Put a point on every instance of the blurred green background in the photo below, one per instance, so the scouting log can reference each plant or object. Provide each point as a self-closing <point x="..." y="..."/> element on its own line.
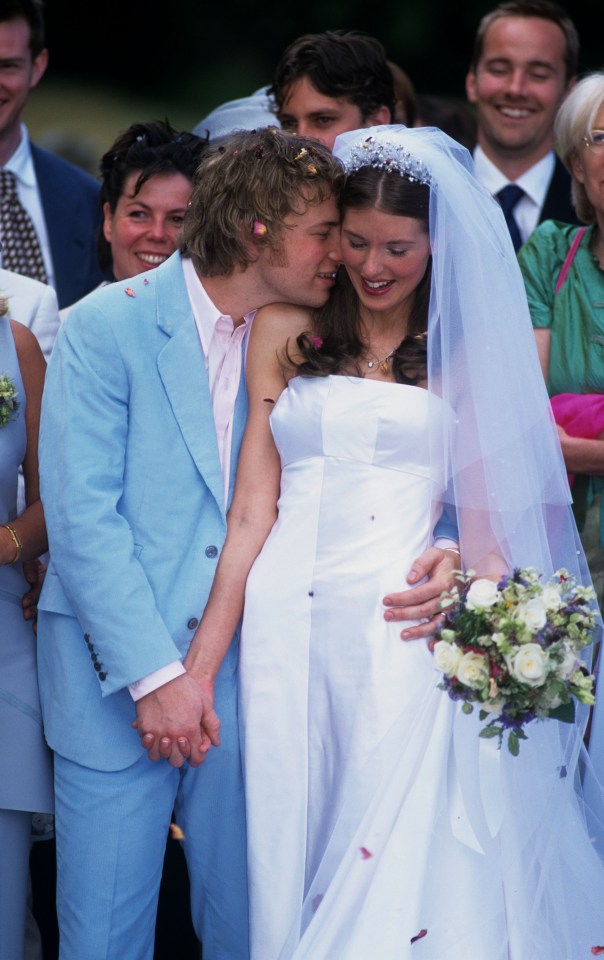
<point x="117" y="62"/>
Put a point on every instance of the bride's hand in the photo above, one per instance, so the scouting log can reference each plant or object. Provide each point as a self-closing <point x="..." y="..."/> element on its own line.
<point x="423" y="602"/>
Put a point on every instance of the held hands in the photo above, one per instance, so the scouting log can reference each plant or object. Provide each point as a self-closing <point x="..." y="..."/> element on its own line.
<point x="177" y="722"/>
<point x="423" y="602"/>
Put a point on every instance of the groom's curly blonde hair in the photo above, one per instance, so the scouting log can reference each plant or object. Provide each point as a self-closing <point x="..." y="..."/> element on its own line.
<point x="245" y="186"/>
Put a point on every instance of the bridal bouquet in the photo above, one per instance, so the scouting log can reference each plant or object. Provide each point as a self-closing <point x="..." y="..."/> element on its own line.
<point x="513" y="648"/>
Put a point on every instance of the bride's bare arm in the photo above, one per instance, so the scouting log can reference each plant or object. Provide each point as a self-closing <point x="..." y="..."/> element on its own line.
<point x="254" y="507"/>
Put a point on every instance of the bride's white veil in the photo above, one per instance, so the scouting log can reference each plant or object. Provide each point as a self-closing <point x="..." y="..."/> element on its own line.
<point x="507" y="481"/>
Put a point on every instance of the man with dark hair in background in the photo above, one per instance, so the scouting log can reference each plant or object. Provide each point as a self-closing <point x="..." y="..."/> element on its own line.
<point x="327" y="83"/>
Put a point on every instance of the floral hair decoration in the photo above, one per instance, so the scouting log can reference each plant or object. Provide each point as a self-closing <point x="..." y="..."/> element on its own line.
<point x="387" y="155"/>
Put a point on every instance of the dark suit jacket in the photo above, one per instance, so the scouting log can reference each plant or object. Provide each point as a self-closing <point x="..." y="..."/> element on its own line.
<point x="557" y="205"/>
<point x="70" y="201"/>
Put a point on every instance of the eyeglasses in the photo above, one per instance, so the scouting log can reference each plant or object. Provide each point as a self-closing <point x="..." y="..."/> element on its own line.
<point x="595" y="141"/>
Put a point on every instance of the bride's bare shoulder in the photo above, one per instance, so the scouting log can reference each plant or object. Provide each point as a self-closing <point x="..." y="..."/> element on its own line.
<point x="282" y="321"/>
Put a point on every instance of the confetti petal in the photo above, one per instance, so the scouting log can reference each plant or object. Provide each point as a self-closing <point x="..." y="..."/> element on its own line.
<point x="176" y="832"/>
<point x="597" y="951"/>
<point x="365" y="853"/>
<point x="129" y="292"/>
<point x="420" y="936"/>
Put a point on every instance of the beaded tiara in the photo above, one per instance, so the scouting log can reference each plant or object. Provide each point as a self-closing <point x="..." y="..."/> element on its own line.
<point x="386" y="155"/>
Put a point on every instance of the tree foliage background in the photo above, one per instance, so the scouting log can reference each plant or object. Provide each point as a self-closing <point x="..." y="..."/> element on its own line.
<point x="181" y="59"/>
<point x="209" y="51"/>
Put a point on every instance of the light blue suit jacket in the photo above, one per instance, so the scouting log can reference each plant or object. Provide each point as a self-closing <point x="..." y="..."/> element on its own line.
<point x="133" y="495"/>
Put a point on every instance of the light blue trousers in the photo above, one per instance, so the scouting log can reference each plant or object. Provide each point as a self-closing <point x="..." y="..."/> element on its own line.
<point x="111" y="830"/>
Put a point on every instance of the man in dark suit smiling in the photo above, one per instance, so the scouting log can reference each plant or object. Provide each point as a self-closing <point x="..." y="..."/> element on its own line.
<point x="523" y="65"/>
<point x="49" y="209"/>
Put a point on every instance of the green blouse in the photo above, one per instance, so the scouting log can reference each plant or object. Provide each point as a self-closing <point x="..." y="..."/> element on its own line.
<point x="575" y="315"/>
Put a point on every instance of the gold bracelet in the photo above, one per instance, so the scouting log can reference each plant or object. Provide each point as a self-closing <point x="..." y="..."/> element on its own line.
<point x="16" y="540"/>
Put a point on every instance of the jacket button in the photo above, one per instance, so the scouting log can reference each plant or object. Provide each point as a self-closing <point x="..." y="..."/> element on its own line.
<point x="211" y="552"/>
<point x="192" y="623"/>
<point x="97" y="665"/>
<point x="102" y="676"/>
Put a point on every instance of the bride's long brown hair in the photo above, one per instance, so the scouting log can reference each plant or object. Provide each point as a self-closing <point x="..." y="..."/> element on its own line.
<point x="338" y="323"/>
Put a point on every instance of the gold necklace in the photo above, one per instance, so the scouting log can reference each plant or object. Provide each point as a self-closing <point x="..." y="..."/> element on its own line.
<point x="382" y="364"/>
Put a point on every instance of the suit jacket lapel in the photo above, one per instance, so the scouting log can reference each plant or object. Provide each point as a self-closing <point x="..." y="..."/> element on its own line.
<point x="182" y="370"/>
<point x="239" y="421"/>
<point x="558" y="204"/>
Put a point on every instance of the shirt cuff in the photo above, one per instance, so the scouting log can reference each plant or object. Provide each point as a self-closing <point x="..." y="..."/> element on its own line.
<point x="152" y="681"/>
<point x="443" y="543"/>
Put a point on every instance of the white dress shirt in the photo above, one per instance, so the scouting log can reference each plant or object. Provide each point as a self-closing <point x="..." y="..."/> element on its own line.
<point x="221" y="341"/>
<point x="535" y="183"/>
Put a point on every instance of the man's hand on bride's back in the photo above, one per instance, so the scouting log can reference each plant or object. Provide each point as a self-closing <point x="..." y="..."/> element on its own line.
<point x="430" y="575"/>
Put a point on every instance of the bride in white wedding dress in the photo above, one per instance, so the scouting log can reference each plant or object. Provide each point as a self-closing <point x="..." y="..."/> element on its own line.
<point x="379" y="824"/>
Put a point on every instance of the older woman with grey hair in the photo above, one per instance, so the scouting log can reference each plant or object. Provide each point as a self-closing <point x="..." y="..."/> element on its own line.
<point x="563" y="268"/>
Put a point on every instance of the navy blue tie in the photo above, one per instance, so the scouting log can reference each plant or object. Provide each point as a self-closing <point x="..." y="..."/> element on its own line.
<point x="508" y="198"/>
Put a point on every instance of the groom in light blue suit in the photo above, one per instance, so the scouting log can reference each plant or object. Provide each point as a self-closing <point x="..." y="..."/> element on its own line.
<point x="144" y="409"/>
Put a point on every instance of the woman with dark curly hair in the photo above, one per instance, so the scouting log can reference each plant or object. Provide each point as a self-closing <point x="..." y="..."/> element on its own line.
<point x="146" y="181"/>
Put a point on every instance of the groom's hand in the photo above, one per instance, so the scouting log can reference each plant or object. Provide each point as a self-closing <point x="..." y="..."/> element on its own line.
<point x="169" y="722"/>
<point x="423" y="602"/>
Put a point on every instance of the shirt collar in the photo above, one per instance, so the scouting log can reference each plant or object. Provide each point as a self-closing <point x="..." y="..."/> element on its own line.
<point x="205" y="311"/>
<point x="21" y="163"/>
<point x="534" y="182"/>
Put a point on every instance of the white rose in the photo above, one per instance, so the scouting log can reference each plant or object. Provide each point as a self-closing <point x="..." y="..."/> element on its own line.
<point x="569" y="664"/>
<point x="532" y="614"/>
<point x="482" y="594"/>
<point x="447" y="657"/>
<point x="551" y="597"/>
<point x="473" y="670"/>
<point x="529" y="665"/>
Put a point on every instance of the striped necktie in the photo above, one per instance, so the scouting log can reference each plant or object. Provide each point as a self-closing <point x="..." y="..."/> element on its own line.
<point x="20" y="245"/>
